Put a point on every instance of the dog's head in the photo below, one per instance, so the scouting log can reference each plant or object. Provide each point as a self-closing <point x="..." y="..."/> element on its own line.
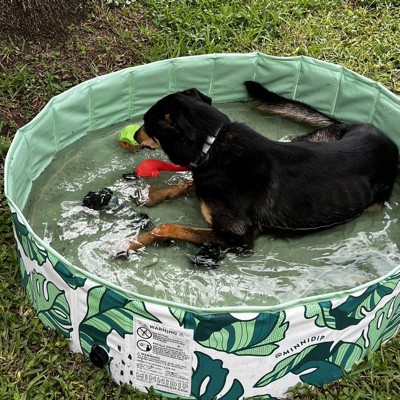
<point x="178" y="125"/>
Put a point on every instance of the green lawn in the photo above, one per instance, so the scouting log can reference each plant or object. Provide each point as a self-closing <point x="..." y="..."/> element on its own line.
<point x="363" y="35"/>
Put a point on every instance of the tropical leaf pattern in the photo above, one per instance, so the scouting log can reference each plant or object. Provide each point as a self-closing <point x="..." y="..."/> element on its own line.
<point x="107" y="311"/>
<point x="354" y="309"/>
<point x="49" y="301"/>
<point x="215" y="374"/>
<point x="330" y="364"/>
<point x="385" y="324"/>
<point x="22" y="271"/>
<point x="73" y="280"/>
<point x="347" y="354"/>
<point x="38" y="254"/>
<point x="258" y="336"/>
<point x="31" y="249"/>
<point x="323" y="361"/>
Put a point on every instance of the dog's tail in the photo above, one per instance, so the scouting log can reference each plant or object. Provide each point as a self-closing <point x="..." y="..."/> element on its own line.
<point x="272" y="103"/>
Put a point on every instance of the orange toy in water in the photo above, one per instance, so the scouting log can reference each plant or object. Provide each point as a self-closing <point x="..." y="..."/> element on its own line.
<point x="152" y="167"/>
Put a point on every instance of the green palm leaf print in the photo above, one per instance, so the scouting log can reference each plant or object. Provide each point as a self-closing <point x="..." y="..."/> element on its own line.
<point x="258" y="336"/>
<point x="108" y="311"/>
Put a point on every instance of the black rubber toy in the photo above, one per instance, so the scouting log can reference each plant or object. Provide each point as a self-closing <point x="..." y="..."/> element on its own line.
<point x="98" y="200"/>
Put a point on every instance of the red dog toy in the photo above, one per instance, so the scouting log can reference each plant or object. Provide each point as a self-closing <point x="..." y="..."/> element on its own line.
<point x="152" y="167"/>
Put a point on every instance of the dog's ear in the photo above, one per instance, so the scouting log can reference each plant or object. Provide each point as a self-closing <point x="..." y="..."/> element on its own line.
<point x="197" y="94"/>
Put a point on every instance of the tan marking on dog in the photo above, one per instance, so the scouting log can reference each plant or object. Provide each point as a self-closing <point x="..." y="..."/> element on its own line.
<point x="206" y="212"/>
<point x="376" y="207"/>
<point x="158" y="195"/>
<point x="145" y="140"/>
<point x="168" y="120"/>
<point x="164" y="232"/>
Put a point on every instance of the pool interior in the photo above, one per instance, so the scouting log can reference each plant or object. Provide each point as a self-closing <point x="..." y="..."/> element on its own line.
<point x="280" y="270"/>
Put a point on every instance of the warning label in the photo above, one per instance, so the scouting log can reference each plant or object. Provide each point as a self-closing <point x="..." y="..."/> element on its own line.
<point x="163" y="357"/>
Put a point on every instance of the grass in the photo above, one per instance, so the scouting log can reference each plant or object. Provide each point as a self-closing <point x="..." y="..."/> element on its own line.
<point x="360" y="34"/>
<point x="357" y="34"/>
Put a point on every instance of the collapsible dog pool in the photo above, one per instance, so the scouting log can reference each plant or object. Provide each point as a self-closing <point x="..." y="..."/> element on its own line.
<point x="303" y="309"/>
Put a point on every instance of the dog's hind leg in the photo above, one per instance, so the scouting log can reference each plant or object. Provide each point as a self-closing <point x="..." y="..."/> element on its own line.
<point x="164" y="232"/>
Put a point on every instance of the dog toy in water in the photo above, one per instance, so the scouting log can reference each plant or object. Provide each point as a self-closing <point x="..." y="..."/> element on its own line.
<point x="127" y="137"/>
<point x="152" y="167"/>
<point x="97" y="200"/>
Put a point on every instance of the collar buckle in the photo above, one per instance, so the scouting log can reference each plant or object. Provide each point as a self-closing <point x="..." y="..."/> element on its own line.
<point x="210" y="139"/>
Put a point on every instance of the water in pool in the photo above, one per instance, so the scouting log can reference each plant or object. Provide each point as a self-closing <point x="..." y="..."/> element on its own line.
<point x="280" y="270"/>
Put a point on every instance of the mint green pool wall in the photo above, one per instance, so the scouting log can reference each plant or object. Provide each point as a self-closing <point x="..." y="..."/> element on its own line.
<point x="226" y="352"/>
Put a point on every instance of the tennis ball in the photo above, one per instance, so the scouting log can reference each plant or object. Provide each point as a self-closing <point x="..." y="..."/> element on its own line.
<point x="126" y="136"/>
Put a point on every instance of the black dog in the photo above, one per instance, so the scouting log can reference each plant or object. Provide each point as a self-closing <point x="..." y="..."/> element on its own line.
<point x="248" y="185"/>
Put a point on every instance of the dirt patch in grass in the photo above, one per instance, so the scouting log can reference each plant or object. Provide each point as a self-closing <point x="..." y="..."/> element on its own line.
<point x="31" y="72"/>
<point x="40" y="18"/>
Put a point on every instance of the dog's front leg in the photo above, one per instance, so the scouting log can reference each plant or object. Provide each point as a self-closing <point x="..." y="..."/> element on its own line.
<point x="159" y="195"/>
<point x="162" y="233"/>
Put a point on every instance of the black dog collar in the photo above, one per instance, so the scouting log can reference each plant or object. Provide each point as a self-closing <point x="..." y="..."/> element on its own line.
<point x="210" y="139"/>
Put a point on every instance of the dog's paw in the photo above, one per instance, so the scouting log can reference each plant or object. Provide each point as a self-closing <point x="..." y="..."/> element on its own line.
<point x="208" y="256"/>
<point x="142" y="222"/>
<point x="140" y="197"/>
<point x="120" y="251"/>
<point x="121" y="255"/>
<point x="242" y="251"/>
<point x="123" y="249"/>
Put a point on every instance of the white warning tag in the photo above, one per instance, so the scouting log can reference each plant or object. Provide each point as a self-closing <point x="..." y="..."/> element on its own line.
<point x="163" y="357"/>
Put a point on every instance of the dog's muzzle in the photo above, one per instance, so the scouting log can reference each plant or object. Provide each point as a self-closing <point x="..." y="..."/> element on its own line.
<point x="136" y="135"/>
<point x="144" y="140"/>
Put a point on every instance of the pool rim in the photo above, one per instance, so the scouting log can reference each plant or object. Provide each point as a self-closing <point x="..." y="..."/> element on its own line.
<point x="329" y="296"/>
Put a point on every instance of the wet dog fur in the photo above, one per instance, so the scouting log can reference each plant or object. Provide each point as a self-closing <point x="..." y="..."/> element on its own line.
<point x="249" y="185"/>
